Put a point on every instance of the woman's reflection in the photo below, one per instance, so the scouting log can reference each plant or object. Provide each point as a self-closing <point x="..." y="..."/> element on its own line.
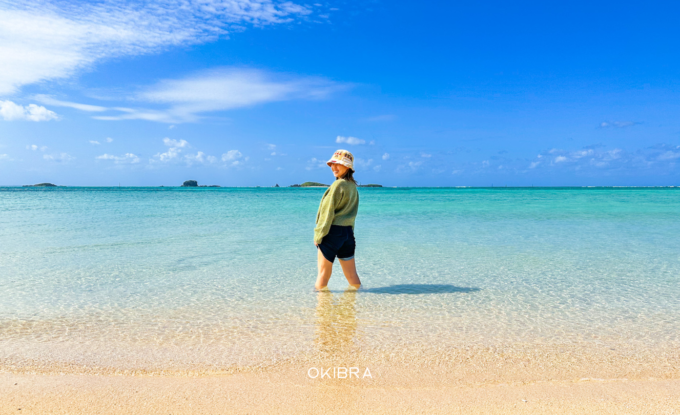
<point x="336" y="322"/>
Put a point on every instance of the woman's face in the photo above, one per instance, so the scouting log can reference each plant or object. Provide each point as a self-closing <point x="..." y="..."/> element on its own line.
<point x="338" y="170"/>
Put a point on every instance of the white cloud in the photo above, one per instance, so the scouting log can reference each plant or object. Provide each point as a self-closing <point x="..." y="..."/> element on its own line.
<point x="273" y="153"/>
<point x="231" y="155"/>
<point x="669" y="155"/>
<point x="46" y="99"/>
<point x="94" y="142"/>
<point x="534" y="164"/>
<point x="219" y="90"/>
<point x="377" y="168"/>
<point x="349" y="140"/>
<point x="4" y="157"/>
<point x="173" y="143"/>
<point x="385" y="156"/>
<point x="199" y="157"/>
<point x="9" y="111"/>
<point x="560" y="159"/>
<point x="582" y="153"/>
<point x="42" y="41"/>
<point x="315" y="163"/>
<point x="35" y="147"/>
<point x="362" y="164"/>
<point x="173" y="152"/>
<point x="61" y="157"/>
<point x="128" y="158"/>
<point x="271" y="146"/>
<point x="109" y="140"/>
<point x="425" y="155"/>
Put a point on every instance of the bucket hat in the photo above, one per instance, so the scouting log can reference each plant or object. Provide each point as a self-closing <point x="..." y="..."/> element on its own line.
<point x="343" y="157"/>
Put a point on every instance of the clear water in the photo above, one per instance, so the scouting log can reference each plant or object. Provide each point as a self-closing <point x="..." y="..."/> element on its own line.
<point x="176" y="277"/>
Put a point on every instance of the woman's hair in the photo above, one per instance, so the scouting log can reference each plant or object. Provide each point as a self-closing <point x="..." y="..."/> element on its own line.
<point x="349" y="176"/>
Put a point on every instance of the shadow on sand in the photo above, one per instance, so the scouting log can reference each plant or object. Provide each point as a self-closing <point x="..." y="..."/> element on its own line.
<point x="420" y="289"/>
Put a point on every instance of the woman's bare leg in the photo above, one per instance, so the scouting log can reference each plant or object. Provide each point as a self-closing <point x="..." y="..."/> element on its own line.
<point x="350" y="270"/>
<point x="325" y="270"/>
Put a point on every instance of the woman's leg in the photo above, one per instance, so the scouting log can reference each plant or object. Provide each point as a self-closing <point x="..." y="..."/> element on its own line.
<point x="350" y="270"/>
<point x="325" y="270"/>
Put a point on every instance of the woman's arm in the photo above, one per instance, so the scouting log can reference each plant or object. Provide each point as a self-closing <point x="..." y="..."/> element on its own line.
<point x="324" y="218"/>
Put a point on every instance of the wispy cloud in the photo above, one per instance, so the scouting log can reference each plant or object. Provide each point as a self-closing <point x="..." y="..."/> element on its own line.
<point x="60" y="158"/>
<point x="596" y="157"/>
<point x="349" y="140"/>
<point x="233" y="157"/>
<point x="42" y="41"/>
<point x="670" y="155"/>
<point x="315" y="163"/>
<point x="9" y="111"/>
<point x="362" y="164"/>
<point x="617" y="124"/>
<point x="35" y="147"/>
<point x="128" y="158"/>
<point x="176" y="154"/>
<point x="48" y="100"/>
<point x="96" y="143"/>
<point x="385" y="156"/>
<point x="379" y="118"/>
<point x="219" y="90"/>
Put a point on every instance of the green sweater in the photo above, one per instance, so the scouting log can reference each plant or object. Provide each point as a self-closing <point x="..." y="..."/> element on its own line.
<point x="339" y="206"/>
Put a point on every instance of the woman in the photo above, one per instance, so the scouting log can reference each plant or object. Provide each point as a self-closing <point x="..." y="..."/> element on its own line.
<point x="334" y="232"/>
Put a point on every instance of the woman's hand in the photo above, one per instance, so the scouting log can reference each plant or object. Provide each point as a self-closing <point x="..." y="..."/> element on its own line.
<point x="315" y="244"/>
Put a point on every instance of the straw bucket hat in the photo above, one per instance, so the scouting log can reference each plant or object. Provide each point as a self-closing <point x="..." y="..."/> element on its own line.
<point x="343" y="157"/>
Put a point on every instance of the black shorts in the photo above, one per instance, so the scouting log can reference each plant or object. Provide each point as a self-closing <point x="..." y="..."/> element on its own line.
<point x="339" y="242"/>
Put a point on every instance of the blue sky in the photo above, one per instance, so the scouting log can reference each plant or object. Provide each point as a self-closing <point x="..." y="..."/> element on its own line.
<point x="254" y="92"/>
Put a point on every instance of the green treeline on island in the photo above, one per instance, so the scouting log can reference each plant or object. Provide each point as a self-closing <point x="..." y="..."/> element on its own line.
<point x="40" y="185"/>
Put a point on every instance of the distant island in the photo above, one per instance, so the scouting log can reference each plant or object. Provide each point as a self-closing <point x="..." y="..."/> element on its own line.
<point x="194" y="183"/>
<point x="40" y="185"/>
<point x="315" y="184"/>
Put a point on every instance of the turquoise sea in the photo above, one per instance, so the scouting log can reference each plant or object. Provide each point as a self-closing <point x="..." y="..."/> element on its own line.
<point x="159" y="278"/>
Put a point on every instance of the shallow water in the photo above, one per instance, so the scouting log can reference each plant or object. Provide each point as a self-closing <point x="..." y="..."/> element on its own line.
<point x="176" y="277"/>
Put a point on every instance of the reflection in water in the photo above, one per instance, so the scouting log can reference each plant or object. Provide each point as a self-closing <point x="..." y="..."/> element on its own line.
<point x="336" y="321"/>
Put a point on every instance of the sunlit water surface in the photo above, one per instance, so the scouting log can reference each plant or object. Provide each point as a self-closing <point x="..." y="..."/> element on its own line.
<point x="177" y="277"/>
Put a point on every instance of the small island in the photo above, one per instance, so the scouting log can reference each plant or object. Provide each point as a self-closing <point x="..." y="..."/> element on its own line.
<point x="313" y="184"/>
<point x="370" y="185"/>
<point x="194" y="183"/>
<point x="40" y="185"/>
